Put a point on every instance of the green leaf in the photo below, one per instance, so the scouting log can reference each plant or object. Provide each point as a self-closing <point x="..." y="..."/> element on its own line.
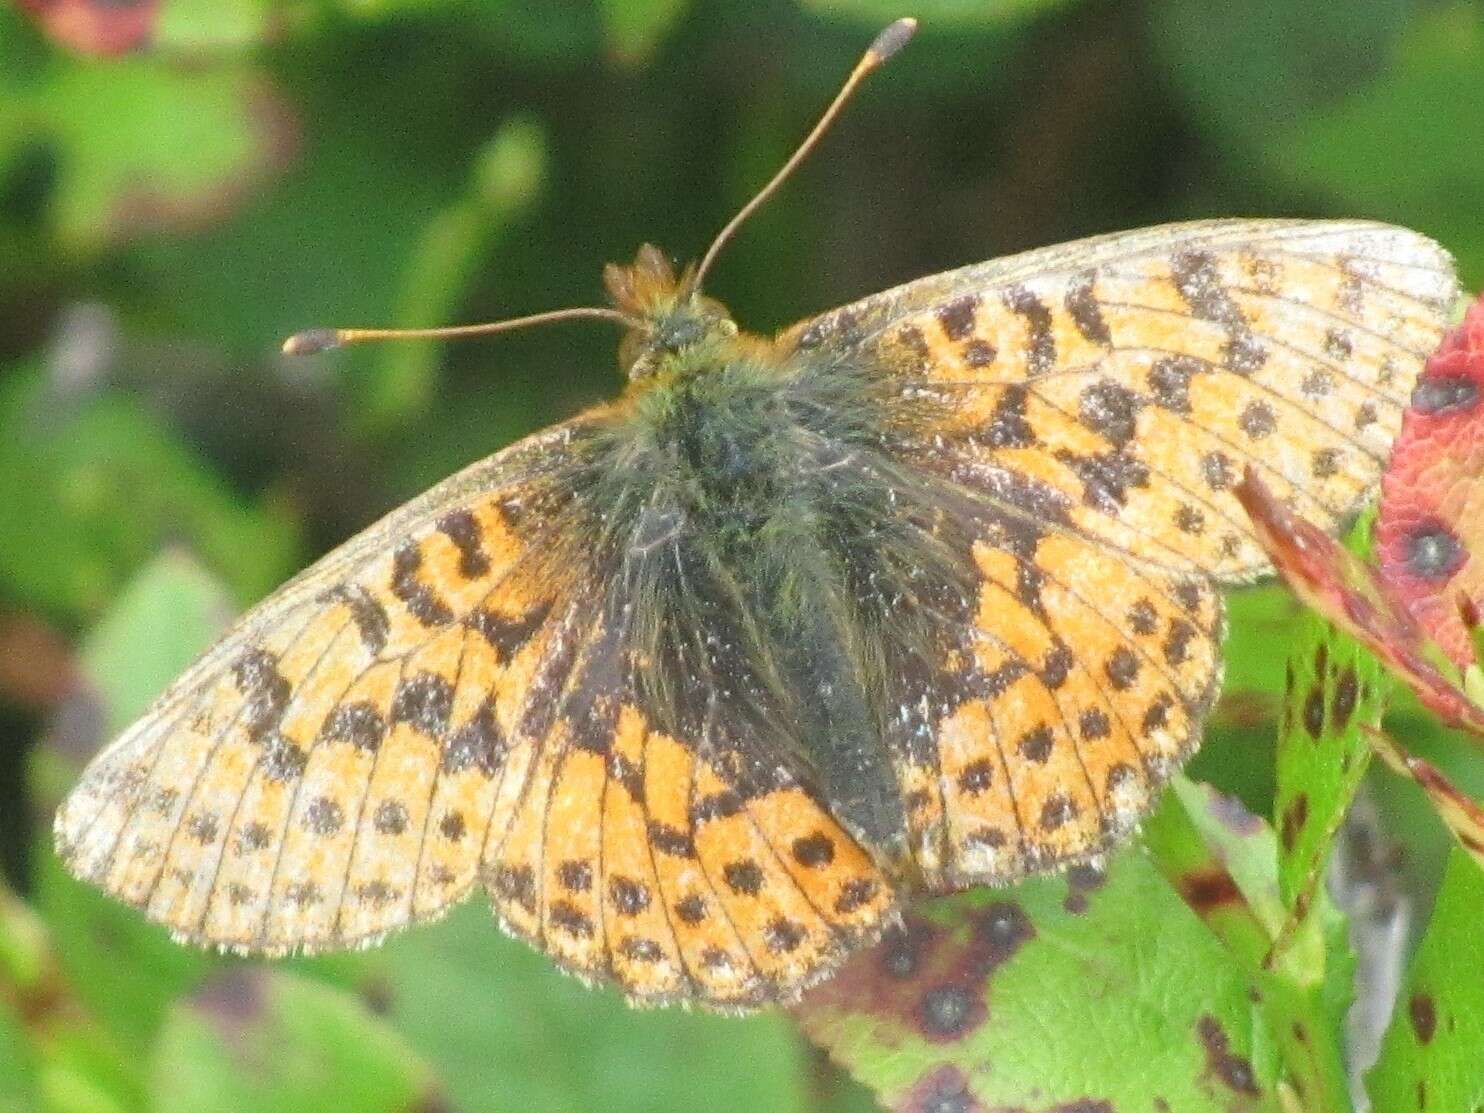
<point x="53" y="1055"/>
<point x="634" y="28"/>
<point x="509" y="1033"/>
<point x="1430" y="1059"/>
<point x="1419" y="116"/>
<point x="251" y="1039"/>
<point x="1262" y="626"/>
<point x="124" y="969"/>
<point x="177" y="147"/>
<point x="17" y="1063"/>
<point x="1334" y="688"/>
<point x="101" y="485"/>
<point x="211" y="25"/>
<point x="1083" y="992"/>
<point x="1332" y="100"/>
<point x="1223" y="861"/>
<point x="1193" y="856"/>
<point x="156" y="626"/>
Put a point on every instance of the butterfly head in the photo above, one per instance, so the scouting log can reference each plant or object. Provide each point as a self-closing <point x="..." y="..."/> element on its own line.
<point x="672" y="316"/>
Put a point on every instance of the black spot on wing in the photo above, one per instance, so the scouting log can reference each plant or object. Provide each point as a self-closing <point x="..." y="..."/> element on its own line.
<point x="1008" y="427"/>
<point x="358" y="724"/>
<point x="478" y="744"/>
<point x="265" y="689"/>
<point x="1040" y="344"/>
<point x="368" y="615"/>
<point x="424" y="700"/>
<point x="421" y="601"/>
<point x="460" y="527"/>
<point x="1086" y="314"/>
<point x="506" y="634"/>
<point x="957" y="317"/>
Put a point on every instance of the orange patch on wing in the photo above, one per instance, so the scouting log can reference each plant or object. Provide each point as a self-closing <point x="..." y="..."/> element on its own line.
<point x="709" y="947"/>
<point x="831" y="870"/>
<point x="514" y="873"/>
<point x="983" y="828"/>
<point x="642" y="950"/>
<point x="572" y="917"/>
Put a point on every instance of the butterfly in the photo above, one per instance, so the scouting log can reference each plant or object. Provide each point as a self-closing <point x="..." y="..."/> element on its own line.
<point x="701" y="684"/>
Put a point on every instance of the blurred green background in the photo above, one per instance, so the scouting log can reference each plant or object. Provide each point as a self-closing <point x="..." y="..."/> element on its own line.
<point x="184" y="182"/>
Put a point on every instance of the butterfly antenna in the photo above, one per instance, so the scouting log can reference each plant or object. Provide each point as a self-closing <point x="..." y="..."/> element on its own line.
<point x="881" y="50"/>
<point x="315" y="340"/>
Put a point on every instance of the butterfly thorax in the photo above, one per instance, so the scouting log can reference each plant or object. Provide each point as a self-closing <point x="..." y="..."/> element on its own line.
<point x="779" y="565"/>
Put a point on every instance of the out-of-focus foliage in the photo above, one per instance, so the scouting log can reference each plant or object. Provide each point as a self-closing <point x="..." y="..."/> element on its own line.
<point x="183" y="182"/>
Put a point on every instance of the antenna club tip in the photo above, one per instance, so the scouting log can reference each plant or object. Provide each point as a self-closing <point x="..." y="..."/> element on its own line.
<point x="891" y="40"/>
<point x="312" y="341"/>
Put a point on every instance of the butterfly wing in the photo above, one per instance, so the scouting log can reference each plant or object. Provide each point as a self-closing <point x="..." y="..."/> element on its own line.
<point x="1104" y="396"/>
<point x="330" y="769"/>
<point x="636" y="855"/>
<point x="1139" y="373"/>
<point x="448" y="698"/>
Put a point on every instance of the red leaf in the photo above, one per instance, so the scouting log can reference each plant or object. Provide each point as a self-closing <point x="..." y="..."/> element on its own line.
<point x="1353" y="596"/>
<point x="106" y="29"/>
<point x="1431" y="520"/>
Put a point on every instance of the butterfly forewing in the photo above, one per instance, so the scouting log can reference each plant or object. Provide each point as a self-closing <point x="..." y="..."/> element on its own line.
<point x="330" y="769"/>
<point x="1139" y="373"/>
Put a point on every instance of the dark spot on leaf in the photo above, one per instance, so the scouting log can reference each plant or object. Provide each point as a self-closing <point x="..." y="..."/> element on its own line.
<point x="1208" y="888"/>
<point x="942" y="1090"/>
<point x="1294" y="818"/>
<point x="1082" y="880"/>
<point x="1002" y="928"/>
<point x="1434" y="551"/>
<point x="1437" y="393"/>
<point x="1424" y="1015"/>
<point x="900" y="950"/>
<point x="948" y="1011"/>
<point x="1314" y="711"/>
<point x="1347" y="689"/>
<point x="1233" y="1071"/>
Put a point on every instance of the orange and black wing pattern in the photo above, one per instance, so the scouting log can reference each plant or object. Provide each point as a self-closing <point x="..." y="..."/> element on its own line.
<point x="450" y="699"/>
<point x="333" y="767"/>
<point x="1104" y="396"/>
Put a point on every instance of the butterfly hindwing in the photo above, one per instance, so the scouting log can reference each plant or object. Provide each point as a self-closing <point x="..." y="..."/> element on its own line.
<point x="633" y="857"/>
